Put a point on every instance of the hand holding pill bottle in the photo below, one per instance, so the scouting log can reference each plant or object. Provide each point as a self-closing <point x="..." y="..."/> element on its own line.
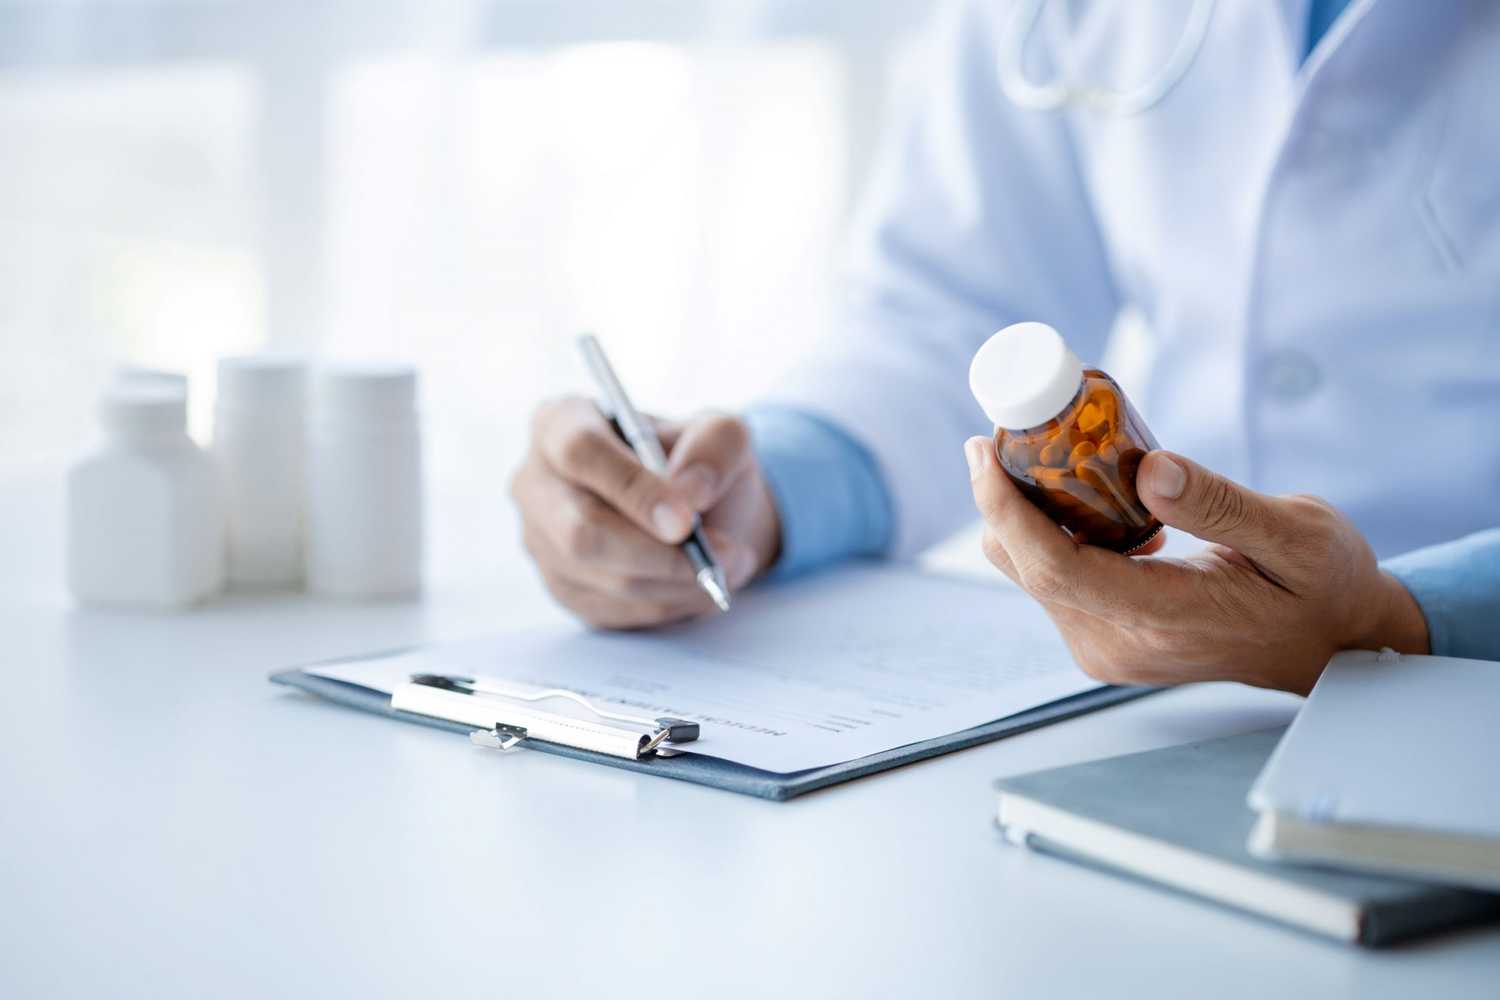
<point x="1066" y="435"/>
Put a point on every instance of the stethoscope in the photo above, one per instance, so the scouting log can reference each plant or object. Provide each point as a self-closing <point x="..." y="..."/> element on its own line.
<point x="1062" y="93"/>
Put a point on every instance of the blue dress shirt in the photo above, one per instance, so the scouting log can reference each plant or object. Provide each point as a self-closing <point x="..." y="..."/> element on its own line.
<point x="829" y="494"/>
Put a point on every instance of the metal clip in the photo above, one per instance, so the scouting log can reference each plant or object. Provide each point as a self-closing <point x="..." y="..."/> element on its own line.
<point x="655" y="741"/>
<point x="503" y="738"/>
<point x="676" y="730"/>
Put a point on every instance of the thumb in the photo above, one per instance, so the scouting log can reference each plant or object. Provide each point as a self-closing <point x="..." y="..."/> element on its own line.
<point x="706" y="457"/>
<point x="1185" y="495"/>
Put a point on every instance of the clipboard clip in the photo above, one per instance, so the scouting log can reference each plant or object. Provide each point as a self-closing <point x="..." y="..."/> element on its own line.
<point x="507" y="738"/>
<point x="491" y="698"/>
<point x="503" y="738"/>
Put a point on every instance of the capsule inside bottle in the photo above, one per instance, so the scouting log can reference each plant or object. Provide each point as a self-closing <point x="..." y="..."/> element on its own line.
<point x="1080" y="466"/>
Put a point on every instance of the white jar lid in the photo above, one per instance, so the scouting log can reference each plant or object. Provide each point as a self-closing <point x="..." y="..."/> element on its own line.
<point x="1024" y="376"/>
<point x="366" y="391"/>
<point x="142" y="408"/>
<point x="262" y="380"/>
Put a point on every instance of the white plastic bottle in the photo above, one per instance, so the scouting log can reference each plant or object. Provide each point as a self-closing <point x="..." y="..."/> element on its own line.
<point x="260" y="431"/>
<point x="364" y="478"/>
<point x="145" y="514"/>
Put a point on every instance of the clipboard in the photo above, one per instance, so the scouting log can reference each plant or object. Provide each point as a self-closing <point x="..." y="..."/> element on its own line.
<point x="712" y="771"/>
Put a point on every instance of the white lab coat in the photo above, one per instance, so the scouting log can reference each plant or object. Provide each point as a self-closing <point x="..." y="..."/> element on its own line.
<point x="1315" y="247"/>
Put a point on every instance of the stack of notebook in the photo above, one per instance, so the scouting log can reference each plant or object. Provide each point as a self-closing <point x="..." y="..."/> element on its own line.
<point x="1373" y="818"/>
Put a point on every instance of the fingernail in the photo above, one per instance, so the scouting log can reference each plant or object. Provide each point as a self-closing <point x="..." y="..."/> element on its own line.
<point x="1164" y="477"/>
<point x="695" y="484"/>
<point x="975" y="456"/>
<point x="670" y="523"/>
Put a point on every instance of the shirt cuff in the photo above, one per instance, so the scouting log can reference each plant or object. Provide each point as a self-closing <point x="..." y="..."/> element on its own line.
<point x="829" y="495"/>
<point x="1457" y="585"/>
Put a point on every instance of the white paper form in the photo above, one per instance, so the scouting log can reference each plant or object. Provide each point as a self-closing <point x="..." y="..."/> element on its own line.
<point x="800" y="674"/>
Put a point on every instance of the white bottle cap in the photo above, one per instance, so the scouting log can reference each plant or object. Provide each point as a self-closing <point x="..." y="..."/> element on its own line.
<point x="366" y="391"/>
<point x="144" y="409"/>
<point x="1024" y="376"/>
<point x="262" y="382"/>
<point x="138" y="376"/>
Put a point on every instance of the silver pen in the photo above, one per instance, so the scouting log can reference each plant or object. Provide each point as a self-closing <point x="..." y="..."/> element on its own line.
<point x="641" y="436"/>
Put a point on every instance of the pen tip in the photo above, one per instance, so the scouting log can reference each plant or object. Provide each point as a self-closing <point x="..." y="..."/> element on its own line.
<point x="715" y="588"/>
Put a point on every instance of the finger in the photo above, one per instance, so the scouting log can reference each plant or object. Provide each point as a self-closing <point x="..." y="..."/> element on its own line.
<point x="667" y="432"/>
<point x="607" y="610"/>
<point x="587" y="534"/>
<point x="1076" y="627"/>
<point x="994" y="551"/>
<point x="610" y="600"/>
<point x="706" y="459"/>
<point x="1187" y="496"/>
<point x="1067" y="619"/>
<point x="737" y="558"/>
<point x="579" y="444"/>
<point x="572" y="533"/>
<point x="1047" y="563"/>
<point x="584" y="530"/>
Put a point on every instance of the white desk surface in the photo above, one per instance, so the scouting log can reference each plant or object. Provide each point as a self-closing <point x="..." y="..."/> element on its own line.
<point x="173" y="825"/>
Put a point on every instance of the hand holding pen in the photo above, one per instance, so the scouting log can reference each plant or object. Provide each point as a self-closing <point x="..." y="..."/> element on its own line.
<point x="607" y="532"/>
<point x="640" y="434"/>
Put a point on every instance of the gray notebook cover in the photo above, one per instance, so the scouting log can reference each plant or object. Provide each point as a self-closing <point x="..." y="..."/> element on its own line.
<point x="737" y="777"/>
<point x="1193" y="796"/>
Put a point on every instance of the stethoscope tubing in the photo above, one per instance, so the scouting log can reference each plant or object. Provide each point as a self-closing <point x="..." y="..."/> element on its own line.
<point x="1060" y="93"/>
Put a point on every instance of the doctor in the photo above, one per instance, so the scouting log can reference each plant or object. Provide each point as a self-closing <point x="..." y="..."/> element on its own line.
<point x="1303" y="199"/>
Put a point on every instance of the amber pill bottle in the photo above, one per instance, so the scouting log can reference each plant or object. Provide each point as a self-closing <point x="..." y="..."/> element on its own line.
<point x="1066" y="435"/>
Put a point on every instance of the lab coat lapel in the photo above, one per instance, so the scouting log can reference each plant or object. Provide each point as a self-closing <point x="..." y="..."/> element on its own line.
<point x="1293" y="28"/>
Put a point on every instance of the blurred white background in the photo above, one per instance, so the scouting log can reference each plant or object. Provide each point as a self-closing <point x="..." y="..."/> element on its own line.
<point x="460" y="183"/>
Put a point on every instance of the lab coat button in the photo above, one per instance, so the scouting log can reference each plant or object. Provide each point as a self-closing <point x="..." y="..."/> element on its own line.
<point x="1291" y="375"/>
